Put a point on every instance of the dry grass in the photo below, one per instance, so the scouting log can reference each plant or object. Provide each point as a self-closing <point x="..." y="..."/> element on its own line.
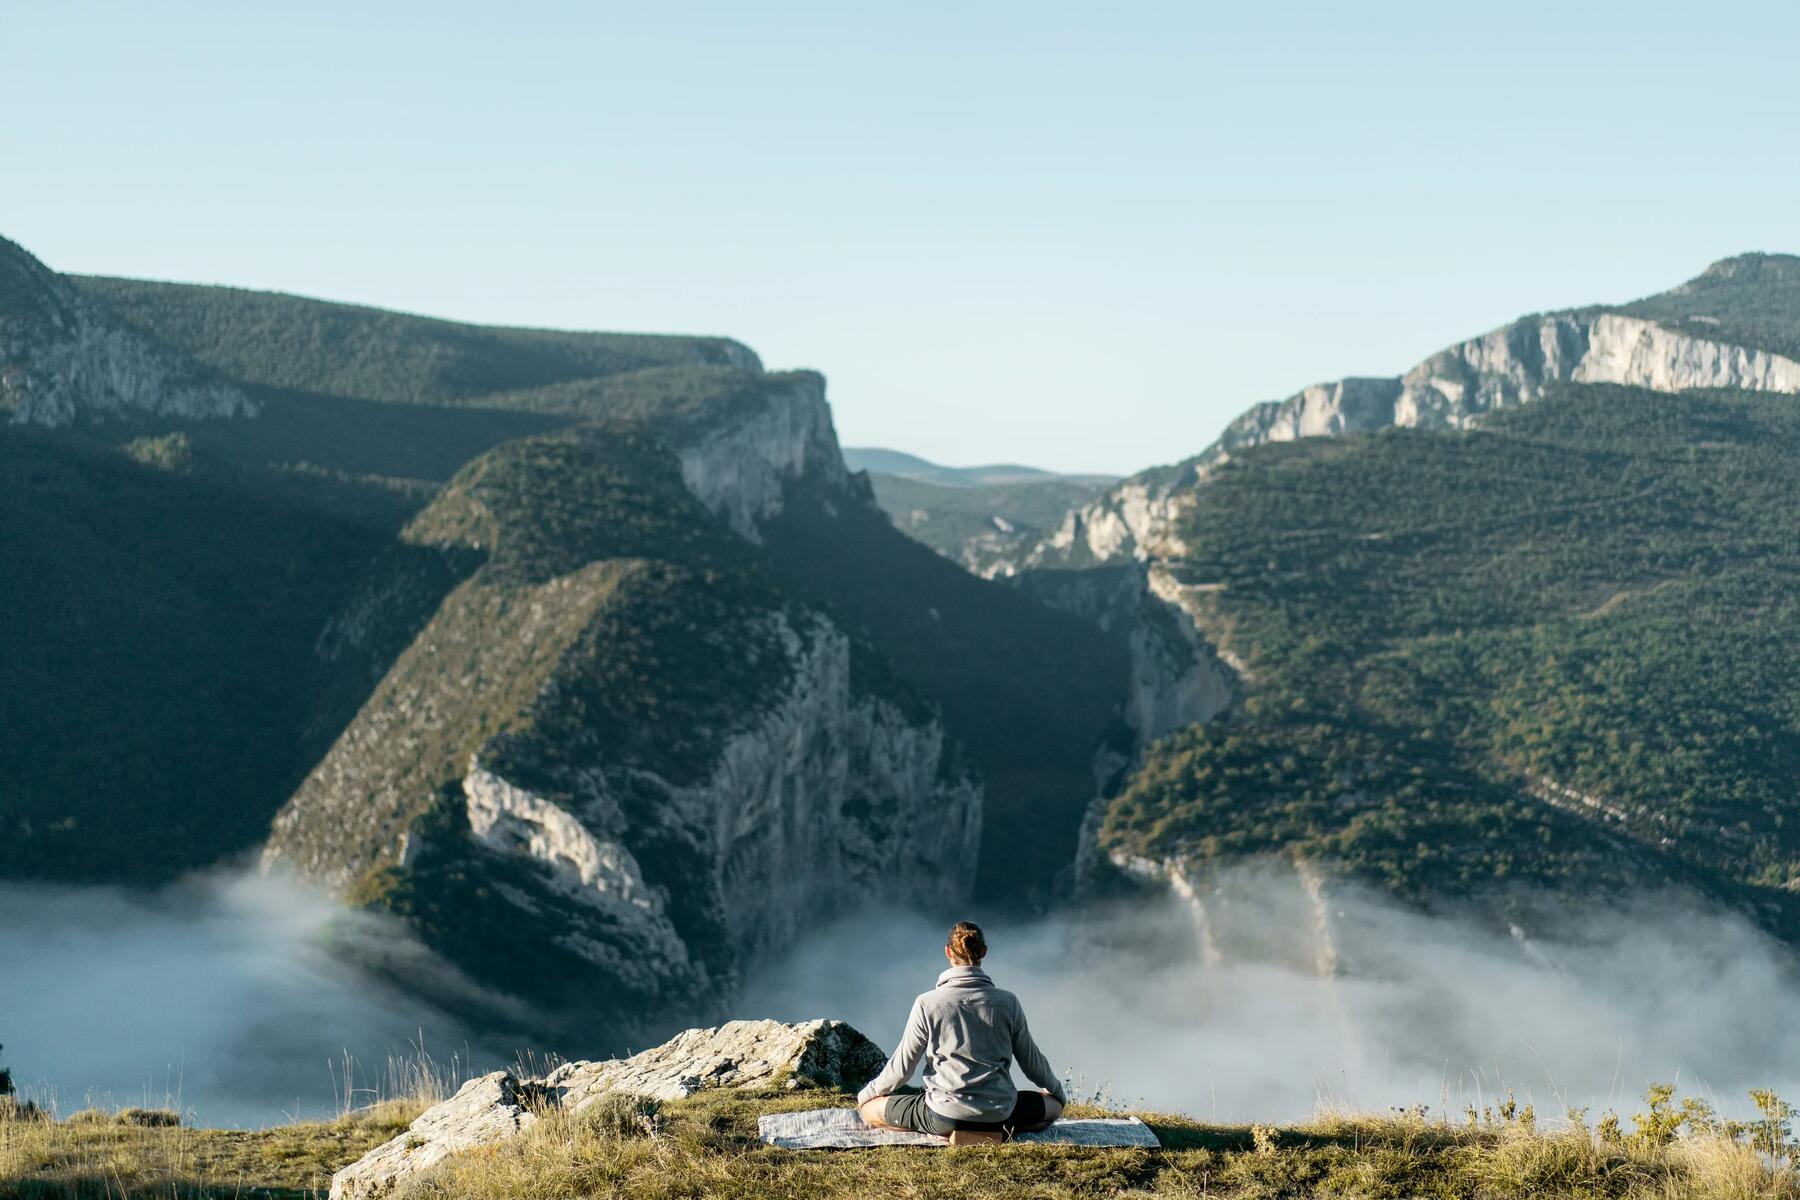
<point x="707" y="1146"/>
<point x="101" y="1155"/>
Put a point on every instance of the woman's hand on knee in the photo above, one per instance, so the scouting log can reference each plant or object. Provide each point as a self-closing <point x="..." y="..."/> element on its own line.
<point x="874" y="1113"/>
<point x="1053" y="1108"/>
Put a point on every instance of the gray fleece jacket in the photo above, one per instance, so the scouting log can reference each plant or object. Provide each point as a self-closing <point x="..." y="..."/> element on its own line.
<point x="968" y="1032"/>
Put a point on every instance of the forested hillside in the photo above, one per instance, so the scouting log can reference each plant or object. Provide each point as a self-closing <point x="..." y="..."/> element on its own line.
<point x="359" y="353"/>
<point x="1556" y="648"/>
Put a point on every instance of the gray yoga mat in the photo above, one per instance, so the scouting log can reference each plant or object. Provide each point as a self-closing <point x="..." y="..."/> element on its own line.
<point x="843" y="1129"/>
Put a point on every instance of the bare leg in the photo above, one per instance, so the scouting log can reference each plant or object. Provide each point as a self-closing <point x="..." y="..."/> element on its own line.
<point x="874" y="1113"/>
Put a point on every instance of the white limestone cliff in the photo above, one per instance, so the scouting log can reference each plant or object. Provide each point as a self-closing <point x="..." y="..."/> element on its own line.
<point x="1177" y="679"/>
<point x="1452" y="389"/>
<point x="740" y="466"/>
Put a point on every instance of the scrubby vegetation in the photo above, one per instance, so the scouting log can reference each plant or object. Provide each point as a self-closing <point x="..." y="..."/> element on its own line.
<point x="707" y="1146"/>
<point x="1750" y="300"/>
<point x="345" y="350"/>
<point x="1490" y="654"/>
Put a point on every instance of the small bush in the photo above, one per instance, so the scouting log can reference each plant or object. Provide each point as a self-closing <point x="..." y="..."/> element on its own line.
<point x="620" y="1115"/>
<point x="149" y="1118"/>
<point x="89" y="1116"/>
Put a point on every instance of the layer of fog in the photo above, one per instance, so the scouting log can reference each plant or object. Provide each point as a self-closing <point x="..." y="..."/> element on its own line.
<point x="232" y="1000"/>
<point x="229" y="998"/>
<point x="1235" y="1021"/>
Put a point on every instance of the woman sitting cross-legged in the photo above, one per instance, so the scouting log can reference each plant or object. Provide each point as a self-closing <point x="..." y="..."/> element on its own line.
<point x="968" y="1033"/>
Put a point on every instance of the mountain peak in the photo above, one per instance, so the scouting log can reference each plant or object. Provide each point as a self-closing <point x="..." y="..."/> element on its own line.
<point x="1753" y="268"/>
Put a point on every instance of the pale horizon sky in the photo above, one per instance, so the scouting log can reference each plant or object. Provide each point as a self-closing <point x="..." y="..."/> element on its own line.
<point x="1079" y="238"/>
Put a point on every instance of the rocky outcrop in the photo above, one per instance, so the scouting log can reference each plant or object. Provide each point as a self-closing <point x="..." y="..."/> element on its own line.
<point x="500" y="1106"/>
<point x="831" y="794"/>
<point x="740" y="466"/>
<point x="1452" y="389"/>
<point x="484" y="1112"/>
<point x="738" y="1054"/>
<point x="63" y="358"/>
<point x="1133" y="520"/>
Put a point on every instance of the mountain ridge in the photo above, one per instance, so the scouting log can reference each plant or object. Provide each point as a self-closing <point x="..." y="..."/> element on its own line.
<point x="898" y="463"/>
<point x="1654" y="343"/>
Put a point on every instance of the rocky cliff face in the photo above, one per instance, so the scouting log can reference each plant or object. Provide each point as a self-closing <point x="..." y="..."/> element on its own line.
<point x="741" y="468"/>
<point x="1176" y="679"/>
<point x="1452" y="389"/>
<point x="63" y="357"/>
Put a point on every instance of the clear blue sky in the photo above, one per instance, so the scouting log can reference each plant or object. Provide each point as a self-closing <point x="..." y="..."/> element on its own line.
<point x="1080" y="236"/>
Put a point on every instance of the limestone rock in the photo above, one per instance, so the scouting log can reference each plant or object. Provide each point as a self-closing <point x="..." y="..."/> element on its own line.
<point x="740" y="467"/>
<point x="497" y="1107"/>
<point x="735" y="1055"/>
<point x="484" y="1111"/>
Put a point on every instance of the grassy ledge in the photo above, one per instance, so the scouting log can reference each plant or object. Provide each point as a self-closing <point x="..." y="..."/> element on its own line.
<point x="707" y="1146"/>
<point x="108" y="1155"/>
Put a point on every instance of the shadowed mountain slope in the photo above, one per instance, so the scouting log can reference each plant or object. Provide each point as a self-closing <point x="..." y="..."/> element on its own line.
<point x="570" y="649"/>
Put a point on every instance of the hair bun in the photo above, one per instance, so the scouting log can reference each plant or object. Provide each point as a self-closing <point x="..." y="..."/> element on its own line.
<point x="966" y="945"/>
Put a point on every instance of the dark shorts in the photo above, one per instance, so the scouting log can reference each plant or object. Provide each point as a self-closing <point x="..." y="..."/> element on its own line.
<point x="907" y="1109"/>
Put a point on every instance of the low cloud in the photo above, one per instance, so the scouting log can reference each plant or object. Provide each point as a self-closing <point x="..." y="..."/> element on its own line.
<point x="227" y="997"/>
<point x="1230" y="1018"/>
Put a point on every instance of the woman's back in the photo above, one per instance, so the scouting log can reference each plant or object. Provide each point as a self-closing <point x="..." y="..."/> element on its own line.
<point x="967" y="1033"/>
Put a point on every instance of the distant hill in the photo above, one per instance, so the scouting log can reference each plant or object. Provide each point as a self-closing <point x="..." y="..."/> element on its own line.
<point x="976" y="516"/>
<point x="979" y="526"/>
<point x="910" y="466"/>
<point x="594" y="658"/>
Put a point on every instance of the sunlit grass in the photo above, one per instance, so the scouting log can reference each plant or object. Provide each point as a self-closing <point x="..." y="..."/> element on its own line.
<point x="707" y="1146"/>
